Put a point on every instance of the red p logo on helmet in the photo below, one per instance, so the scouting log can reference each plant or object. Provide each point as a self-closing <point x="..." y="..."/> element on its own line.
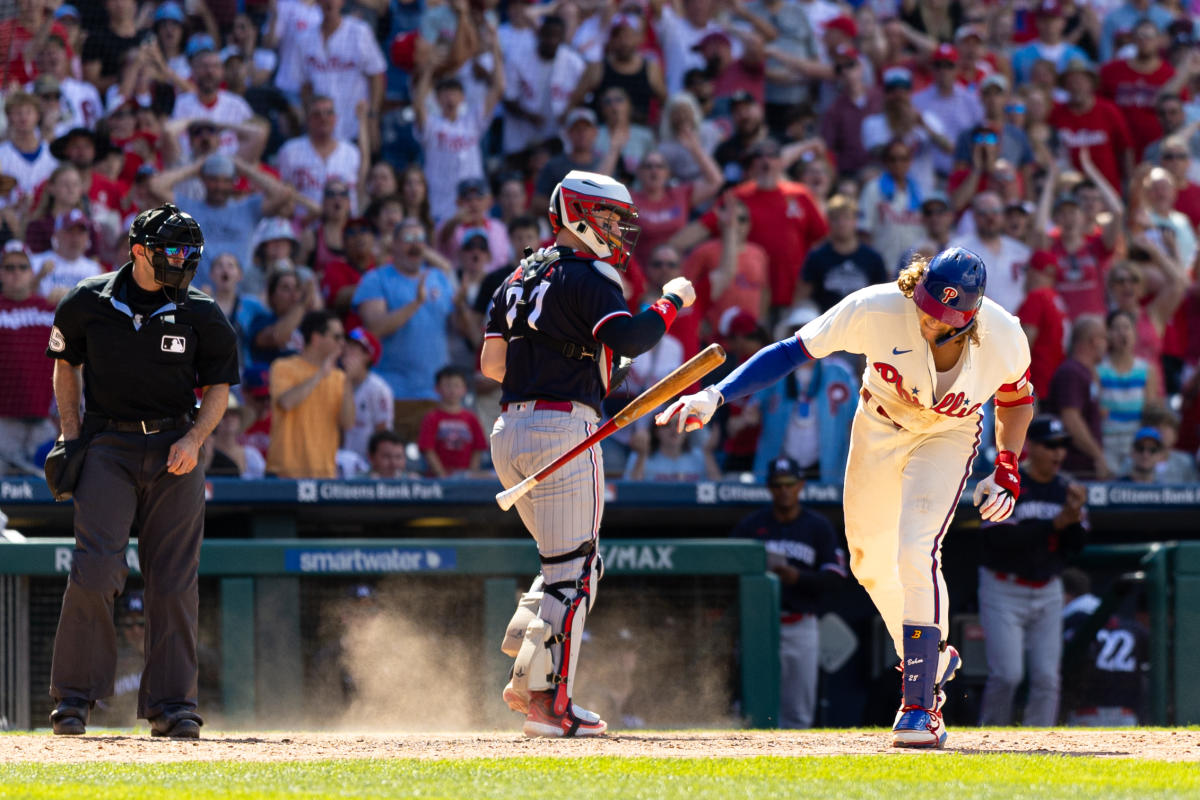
<point x="949" y="293"/>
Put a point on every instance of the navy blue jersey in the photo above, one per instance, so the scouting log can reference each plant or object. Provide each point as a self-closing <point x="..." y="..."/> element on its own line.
<point x="1026" y="543"/>
<point x="810" y="545"/>
<point x="574" y="297"/>
<point x="1118" y="662"/>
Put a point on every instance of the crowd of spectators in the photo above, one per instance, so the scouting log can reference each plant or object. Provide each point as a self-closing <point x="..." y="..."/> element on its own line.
<point x="367" y="172"/>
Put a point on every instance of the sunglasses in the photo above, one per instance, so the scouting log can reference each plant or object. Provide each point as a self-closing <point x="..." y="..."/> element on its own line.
<point x="203" y="130"/>
<point x="1147" y="448"/>
<point x="897" y="159"/>
<point x="357" y="230"/>
<point x="743" y="218"/>
<point x="1123" y="279"/>
<point x="337" y="192"/>
<point x="182" y="251"/>
<point x="783" y="485"/>
<point x="15" y="267"/>
<point x="1174" y="156"/>
<point x="51" y="95"/>
<point x="664" y="263"/>
<point x="654" y="164"/>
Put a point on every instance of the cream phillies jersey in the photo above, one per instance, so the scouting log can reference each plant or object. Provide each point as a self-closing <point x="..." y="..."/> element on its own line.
<point x="882" y="324"/>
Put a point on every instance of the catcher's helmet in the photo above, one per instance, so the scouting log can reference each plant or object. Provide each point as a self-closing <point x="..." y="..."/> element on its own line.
<point x="951" y="290"/>
<point x="574" y="204"/>
<point x="174" y="243"/>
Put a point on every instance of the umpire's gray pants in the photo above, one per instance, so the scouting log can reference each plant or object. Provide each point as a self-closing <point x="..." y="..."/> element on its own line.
<point x="1019" y="620"/>
<point x="799" y="661"/>
<point x="124" y="481"/>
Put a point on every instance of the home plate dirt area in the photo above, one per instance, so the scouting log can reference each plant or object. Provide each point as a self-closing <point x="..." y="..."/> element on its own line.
<point x="1148" y="744"/>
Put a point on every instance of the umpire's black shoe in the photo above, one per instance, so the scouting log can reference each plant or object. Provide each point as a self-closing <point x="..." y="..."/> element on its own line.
<point x="178" y="724"/>
<point x="70" y="717"/>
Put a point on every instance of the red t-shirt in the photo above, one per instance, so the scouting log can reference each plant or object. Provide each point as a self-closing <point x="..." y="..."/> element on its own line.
<point x="1101" y="129"/>
<point x="24" y="330"/>
<point x="786" y="222"/>
<point x="985" y="183"/>
<point x="1081" y="274"/>
<point x="1188" y="202"/>
<point x="1133" y="93"/>
<point x="661" y="219"/>
<point x="745" y="291"/>
<point x="1044" y="309"/>
<point x="338" y="275"/>
<point x="453" y="437"/>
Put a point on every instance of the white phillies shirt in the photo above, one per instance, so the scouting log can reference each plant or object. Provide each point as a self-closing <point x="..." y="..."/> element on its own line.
<point x="338" y="68"/>
<point x="29" y="172"/>
<point x="884" y="325"/>
<point x="228" y="108"/>
<point x="542" y="87"/>
<point x="301" y="166"/>
<point x="293" y="19"/>
<point x="452" y="154"/>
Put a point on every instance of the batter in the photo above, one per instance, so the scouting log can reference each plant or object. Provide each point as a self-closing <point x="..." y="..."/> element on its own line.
<point x="936" y="350"/>
<point x="555" y="330"/>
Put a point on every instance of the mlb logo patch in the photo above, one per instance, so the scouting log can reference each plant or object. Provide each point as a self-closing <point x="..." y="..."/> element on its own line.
<point x="174" y="344"/>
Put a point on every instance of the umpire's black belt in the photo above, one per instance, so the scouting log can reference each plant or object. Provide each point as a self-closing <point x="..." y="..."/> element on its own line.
<point x="143" y="426"/>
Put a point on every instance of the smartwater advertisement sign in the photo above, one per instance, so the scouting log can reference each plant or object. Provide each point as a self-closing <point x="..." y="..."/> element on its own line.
<point x="370" y="560"/>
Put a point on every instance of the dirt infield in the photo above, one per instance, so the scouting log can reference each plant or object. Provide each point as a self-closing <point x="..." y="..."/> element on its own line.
<point x="1157" y="744"/>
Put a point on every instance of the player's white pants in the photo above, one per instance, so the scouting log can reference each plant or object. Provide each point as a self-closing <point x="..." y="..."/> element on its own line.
<point x="901" y="492"/>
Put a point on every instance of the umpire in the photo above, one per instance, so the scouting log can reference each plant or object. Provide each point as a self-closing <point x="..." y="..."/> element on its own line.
<point x="134" y="345"/>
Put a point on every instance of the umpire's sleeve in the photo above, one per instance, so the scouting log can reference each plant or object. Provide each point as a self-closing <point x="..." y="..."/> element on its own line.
<point x="68" y="341"/>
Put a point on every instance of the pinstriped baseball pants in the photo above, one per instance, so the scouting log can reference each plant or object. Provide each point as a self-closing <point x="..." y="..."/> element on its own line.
<point x="563" y="511"/>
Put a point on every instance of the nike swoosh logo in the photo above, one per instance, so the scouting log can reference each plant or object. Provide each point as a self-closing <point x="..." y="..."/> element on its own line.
<point x="896" y="352"/>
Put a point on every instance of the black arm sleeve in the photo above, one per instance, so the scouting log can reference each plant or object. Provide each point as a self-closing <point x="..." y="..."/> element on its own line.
<point x="632" y="336"/>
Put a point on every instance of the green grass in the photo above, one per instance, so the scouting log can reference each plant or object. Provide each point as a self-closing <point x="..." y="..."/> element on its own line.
<point x="890" y="777"/>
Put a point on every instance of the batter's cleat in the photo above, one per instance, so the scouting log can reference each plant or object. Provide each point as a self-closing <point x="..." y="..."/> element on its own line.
<point x="178" y="724"/>
<point x="542" y="721"/>
<point x="918" y="727"/>
<point x="518" y="701"/>
<point x="70" y="717"/>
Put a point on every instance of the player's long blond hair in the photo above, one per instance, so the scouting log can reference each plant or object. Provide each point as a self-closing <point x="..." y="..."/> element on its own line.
<point x="911" y="275"/>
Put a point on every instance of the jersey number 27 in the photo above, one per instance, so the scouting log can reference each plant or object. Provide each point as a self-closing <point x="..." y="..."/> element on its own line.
<point x="514" y="294"/>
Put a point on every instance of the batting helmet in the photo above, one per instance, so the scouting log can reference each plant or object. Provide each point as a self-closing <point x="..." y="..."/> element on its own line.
<point x="951" y="290"/>
<point x="174" y="241"/>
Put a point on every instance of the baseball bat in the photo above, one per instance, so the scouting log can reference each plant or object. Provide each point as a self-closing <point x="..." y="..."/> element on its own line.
<point x="680" y="378"/>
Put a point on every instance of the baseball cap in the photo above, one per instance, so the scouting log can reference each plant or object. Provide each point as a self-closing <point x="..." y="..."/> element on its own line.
<point x="169" y="12"/>
<point x="1043" y="260"/>
<point x="1078" y="64"/>
<point x="1048" y="430"/>
<point x="16" y="246"/>
<point x="67" y="10"/>
<point x="784" y="470"/>
<point x="945" y="52"/>
<point x="474" y="185"/>
<point x="897" y="77"/>
<point x="967" y="31"/>
<point x="1024" y="206"/>
<point x="1065" y="199"/>
<point x="404" y="50"/>
<point x="199" y="43"/>
<point x="255" y="382"/>
<point x="741" y="96"/>
<point x="767" y="147"/>
<point x="74" y="218"/>
<point x="994" y="81"/>
<point x="359" y="225"/>
<point x="475" y="238"/>
<point x="712" y="37"/>
<point x="133" y="603"/>
<point x="843" y="23"/>
<point x="218" y="165"/>
<point x="737" y="322"/>
<point x="628" y="20"/>
<point x="1147" y="432"/>
<point x="367" y="341"/>
<point x="580" y="114"/>
<point x="1049" y="8"/>
<point x="935" y="197"/>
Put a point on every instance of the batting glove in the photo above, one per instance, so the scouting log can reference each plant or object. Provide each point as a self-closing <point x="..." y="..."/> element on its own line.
<point x="694" y="410"/>
<point x="1002" y="488"/>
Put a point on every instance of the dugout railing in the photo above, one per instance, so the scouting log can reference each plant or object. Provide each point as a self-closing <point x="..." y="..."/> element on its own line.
<point x="260" y="605"/>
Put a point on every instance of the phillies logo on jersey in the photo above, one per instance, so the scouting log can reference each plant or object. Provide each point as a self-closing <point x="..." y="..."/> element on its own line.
<point x="948" y="294"/>
<point x="952" y="404"/>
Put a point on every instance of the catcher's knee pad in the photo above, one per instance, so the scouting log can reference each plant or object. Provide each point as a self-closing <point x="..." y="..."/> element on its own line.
<point x="527" y="610"/>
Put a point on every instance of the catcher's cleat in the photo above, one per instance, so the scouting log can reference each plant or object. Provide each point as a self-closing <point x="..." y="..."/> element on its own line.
<point x="918" y="727"/>
<point x="542" y="721"/>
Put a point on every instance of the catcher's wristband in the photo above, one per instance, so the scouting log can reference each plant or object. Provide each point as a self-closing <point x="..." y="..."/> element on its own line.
<point x="667" y="307"/>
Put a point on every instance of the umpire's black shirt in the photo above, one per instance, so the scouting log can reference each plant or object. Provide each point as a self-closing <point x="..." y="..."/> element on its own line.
<point x="142" y="355"/>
